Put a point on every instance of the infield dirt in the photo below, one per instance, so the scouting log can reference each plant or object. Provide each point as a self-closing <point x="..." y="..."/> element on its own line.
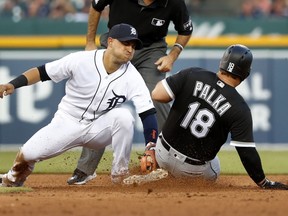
<point x="230" y="195"/>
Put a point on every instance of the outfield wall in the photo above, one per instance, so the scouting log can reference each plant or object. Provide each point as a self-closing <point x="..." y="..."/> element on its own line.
<point x="216" y="32"/>
<point x="23" y="113"/>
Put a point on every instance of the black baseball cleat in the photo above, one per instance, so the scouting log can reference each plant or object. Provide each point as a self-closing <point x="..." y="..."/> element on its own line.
<point x="80" y="178"/>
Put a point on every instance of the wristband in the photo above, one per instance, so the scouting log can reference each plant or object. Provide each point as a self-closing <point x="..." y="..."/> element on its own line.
<point x="19" y="81"/>
<point x="179" y="46"/>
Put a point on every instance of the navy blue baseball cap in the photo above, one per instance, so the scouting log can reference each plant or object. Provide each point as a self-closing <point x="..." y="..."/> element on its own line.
<point x="124" y="32"/>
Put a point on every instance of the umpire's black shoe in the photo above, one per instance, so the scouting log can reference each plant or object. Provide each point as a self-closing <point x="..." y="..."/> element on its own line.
<point x="80" y="178"/>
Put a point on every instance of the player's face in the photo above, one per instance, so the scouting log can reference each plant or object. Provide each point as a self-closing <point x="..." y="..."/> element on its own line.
<point x="123" y="51"/>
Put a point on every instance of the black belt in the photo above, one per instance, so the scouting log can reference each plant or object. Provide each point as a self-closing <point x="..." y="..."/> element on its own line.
<point x="187" y="160"/>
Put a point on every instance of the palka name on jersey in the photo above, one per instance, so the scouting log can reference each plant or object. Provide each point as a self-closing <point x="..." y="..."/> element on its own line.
<point x="205" y="92"/>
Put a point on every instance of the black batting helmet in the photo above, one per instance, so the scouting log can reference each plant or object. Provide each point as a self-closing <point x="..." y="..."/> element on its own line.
<point x="237" y="60"/>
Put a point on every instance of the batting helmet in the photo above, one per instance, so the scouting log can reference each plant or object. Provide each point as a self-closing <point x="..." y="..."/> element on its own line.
<point x="237" y="60"/>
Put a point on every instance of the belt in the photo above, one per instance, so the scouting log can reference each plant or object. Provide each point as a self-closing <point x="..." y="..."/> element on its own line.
<point x="187" y="160"/>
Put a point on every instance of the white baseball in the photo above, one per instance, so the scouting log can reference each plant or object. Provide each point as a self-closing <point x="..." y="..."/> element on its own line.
<point x="5" y="93"/>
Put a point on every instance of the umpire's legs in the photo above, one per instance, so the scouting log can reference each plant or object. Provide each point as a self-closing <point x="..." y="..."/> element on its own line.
<point x="89" y="160"/>
<point x="144" y="60"/>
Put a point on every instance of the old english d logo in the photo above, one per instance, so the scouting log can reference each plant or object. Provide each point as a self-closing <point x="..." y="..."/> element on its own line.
<point x="133" y="31"/>
<point x="157" y="22"/>
<point x="117" y="99"/>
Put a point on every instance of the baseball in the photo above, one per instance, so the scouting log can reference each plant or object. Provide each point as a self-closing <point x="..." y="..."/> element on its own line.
<point x="5" y="93"/>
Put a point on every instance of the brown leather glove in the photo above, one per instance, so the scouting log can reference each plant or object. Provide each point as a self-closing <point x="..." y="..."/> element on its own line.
<point x="148" y="161"/>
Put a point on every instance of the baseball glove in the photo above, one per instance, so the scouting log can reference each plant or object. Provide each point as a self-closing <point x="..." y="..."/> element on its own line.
<point x="148" y="161"/>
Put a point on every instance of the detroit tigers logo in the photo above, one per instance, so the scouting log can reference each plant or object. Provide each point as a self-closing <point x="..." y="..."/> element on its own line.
<point x="133" y="31"/>
<point x="113" y="102"/>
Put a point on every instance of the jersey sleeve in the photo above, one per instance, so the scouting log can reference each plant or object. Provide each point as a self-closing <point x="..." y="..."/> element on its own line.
<point x="181" y="19"/>
<point x="242" y="128"/>
<point x="168" y="89"/>
<point x="99" y="5"/>
<point x="174" y="84"/>
<point x="61" y="69"/>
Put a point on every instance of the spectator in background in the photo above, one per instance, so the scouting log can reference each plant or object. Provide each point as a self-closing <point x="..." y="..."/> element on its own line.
<point x="263" y="6"/>
<point x="194" y="6"/>
<point x="60" y="8"/>
<point x="38" y="8"/>
<point x="12" y="9"/>
<point x="77" y="10"/>
<point x="7" y="8"/>
<point x="279" y="8"/>
<point x="255" y="8"/>
<point x="248" y="10"/>
<point x="81" y="11"/>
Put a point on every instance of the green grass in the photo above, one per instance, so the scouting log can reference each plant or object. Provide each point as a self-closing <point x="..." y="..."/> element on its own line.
<point x="14" y="189"/>
<point x="274" y="162"/>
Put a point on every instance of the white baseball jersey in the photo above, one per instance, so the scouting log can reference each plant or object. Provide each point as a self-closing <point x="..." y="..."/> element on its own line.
<point x="91" y="91"/>
<point x="90" y="114"/>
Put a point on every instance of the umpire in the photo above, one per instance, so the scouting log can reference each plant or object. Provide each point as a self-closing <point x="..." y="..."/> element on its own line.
<point x="151" y="18"/>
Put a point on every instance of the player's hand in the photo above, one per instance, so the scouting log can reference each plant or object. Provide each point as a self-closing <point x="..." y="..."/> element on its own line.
<point x="267" y="184"/>
<point x="148" y="161"/>
<point x="164" y="64"/>
<point x="6" y="89"/>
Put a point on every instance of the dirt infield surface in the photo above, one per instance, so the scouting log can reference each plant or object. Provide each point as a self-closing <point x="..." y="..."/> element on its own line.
<point x="230" y="195"/>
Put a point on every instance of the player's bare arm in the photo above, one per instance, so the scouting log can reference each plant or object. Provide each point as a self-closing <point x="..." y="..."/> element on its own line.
<point x="29" y="77"/>
<point x="160" y="94"/>
<point x="165" y="63"/>
<point x="32" y="75"/>
<point x="93" y="21"/>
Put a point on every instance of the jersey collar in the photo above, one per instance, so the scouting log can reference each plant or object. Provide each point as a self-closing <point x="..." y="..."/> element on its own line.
<point x="157" y="3"/>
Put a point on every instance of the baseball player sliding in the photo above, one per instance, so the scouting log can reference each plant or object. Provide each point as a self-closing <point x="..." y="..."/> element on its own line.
<point x="90" y="113"/>
<point x="206" y="109"/>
